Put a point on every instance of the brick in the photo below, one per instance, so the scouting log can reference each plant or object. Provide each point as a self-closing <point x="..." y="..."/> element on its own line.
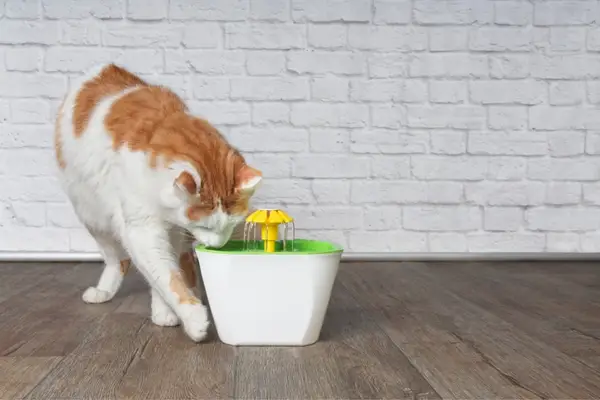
<point x="387" y="38"/>
<point x="269" y="88"/>
<point x="506" y="242"/>
<point x="406" y="91"/>
<point x="388" y="65"/>
<point x="28" y="32"/>
<point x="513" y="13"/>
<point x="566" y="93"/>
<point x="331" y="191"/>
<point x="506" y="168"/>
<point x="591" y="193"/>
<point x="217" y="62"/>
<point x="452" y="12"/>
<point x="392" y="11"/>
<point x="593" y="39"/>
<point x="25" y="59"/>
<point x="382" y="218"/>
<point x="329" y="141"/>
<point x="34" y="239"/>
<point x="396" y="240"/>
<point x="566" y="144"/>
<point x="329" y="115"/>
<point x="27" y="214"/>
<point x="567" y="39"/>
<point x="559" y="193"/>
<point x="283" y="190"/>
<point x="77" y="59"/>
<point x="143" y="61"/>
<point x="505" y="193"/>
<point x="448" y="142"/>
<point x="379" y="141"/>
<point x="449" y="168"/>
<point x="210" y="88"/>
<point x="509" y="66"/>
<point x="62" y="215"/>
<point x="14" y="84"/>
<point x="264" y="36"/>
<point x="388" y="192"/>
<point x="390" y="167"/>
<point x="388" y="116"/>
<point x="147" y="10"/>
<point x="572" y="66"/>
<point x="271" y="165"/>
<point x="270" y="113"/>
<point x="27" y="162"/>
<point x="564" y="13"/>
<point x="80" y="240"/>
<point x="592" y="142"/>
<point x="450" y="242"/>
<point x="22" y="9"/>
<point x="262" y="63"/>
<point x="508" y="92"/>
<point x="593" y="92"/>
<point x="563" y="118"/>
<point x="442" y="218"/>
<point x="327" y="217"/>
<point x="209" y="10"/>
<point x="313" y="62"/>
<point x="269" y="139"/>
<point x="17" y="136"/>
<point x="448" y="66"/>
<point x="507" y="117"/>
<point x="590" y="242"/>
<point x="79" y="9"/>
<point x="502" y="218"/>
<point x="507" y="143"/>
<point x="448" y="39"/>
<point x="563" y="169"/>
<point x="500" y="39"/>
<point x="80" y="33"/>
<point x="450" y="92"/>
<point x="206" y="35"/>
<point x="331" y="11"/>
<point x="563" y="219"/>
<point x="562" y="242"/>
<point x="329" y="166"/>
<point x="329" y="89"/>
<point x="142" y="35"/>
<point x="268" y="10"/>
<point x="327" y="36"/>
<point x="4" y="113"/>
<point x="31" y="188"/>
<point x="442" y="116"/>
<point x="30" y="111"/>
<point x="220" y="112"/>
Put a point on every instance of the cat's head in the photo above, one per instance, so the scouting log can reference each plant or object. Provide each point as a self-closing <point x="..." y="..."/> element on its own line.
<point x="211" y="204"/>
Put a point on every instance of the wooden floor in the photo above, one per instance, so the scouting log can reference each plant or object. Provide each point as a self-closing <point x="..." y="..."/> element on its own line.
<point x="393" y="330"/>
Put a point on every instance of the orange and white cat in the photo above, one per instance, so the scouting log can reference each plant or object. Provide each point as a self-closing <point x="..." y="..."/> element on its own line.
<point x="142" y="175"/>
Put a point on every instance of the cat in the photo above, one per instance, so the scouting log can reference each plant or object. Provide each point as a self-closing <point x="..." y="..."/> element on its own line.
<point x="146" y="178"/>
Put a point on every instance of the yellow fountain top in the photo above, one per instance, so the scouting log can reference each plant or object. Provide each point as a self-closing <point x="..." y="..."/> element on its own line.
<point x="269" y="217"/>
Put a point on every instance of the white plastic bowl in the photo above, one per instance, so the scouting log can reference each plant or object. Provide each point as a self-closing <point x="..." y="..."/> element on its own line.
<point x="269" y="299"/>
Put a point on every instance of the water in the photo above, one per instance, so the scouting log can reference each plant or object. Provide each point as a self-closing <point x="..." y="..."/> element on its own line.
<point x="253" y="241"/>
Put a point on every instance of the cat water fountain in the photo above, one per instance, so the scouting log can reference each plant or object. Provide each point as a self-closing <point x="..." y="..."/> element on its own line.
<point x="266" y="291"/>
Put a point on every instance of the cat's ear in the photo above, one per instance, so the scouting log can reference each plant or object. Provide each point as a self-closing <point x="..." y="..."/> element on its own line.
<point x="248" y="179"/>
<point x="185" y="183"/>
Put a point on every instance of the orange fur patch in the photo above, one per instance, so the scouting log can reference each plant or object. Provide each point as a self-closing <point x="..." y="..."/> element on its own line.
<point x="125" y="264"/>
<point x="187" y="265"/>
<point x="154" y="119"/>
<point x="58" y="150"/>
<point x="179" y="287"/>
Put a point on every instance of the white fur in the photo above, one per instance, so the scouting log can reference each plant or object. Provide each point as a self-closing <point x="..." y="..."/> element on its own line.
<point x="134" y="211"/>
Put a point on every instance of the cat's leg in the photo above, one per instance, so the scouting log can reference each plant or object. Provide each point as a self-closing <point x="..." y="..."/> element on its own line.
<point x="153" y="254"/>
<point x="116" y="265"/>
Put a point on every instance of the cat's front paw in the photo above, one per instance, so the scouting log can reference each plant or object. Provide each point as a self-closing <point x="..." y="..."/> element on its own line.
<point x="165" y="318"/>
<point x="94" y="295"/>
<point x="196" y="325"/>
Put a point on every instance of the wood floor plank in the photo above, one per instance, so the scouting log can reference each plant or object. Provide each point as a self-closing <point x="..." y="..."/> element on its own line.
<point x="19" y="375"/>
<point x="353" y="359"/>
<point x="524" y="360"/>
<point x="187" y="370"/>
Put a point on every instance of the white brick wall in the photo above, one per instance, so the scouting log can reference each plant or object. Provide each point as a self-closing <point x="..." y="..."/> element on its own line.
<point x="385" y="125"/>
